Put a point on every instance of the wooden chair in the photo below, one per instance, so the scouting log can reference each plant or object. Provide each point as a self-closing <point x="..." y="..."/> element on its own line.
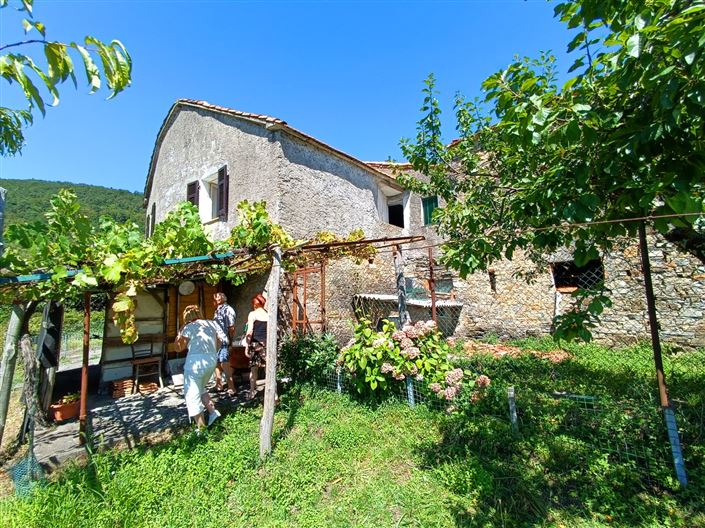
<point x="145" y="363"/>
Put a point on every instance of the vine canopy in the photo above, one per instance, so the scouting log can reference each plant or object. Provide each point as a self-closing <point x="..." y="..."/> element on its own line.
<point x="117" y="258"/>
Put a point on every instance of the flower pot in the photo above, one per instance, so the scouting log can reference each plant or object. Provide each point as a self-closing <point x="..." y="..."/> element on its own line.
<point x="65" y="411"/>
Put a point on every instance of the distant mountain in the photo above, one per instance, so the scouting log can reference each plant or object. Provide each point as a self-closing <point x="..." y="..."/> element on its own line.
<point x="28" y="200"/>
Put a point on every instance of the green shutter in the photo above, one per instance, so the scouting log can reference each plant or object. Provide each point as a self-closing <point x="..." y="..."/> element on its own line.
<point x="429" y="204"/>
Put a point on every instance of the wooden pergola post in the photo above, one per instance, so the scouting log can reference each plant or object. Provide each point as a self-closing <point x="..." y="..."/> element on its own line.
<point x="8" y="362"/>
<point x="270" y="386"/>
<point x="83" y="414"/>
<point x="432" y="286"/>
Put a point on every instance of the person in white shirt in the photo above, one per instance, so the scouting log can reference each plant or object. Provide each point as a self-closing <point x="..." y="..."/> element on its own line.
<point x="202" y="338"/>
<point x="256" y="349"/>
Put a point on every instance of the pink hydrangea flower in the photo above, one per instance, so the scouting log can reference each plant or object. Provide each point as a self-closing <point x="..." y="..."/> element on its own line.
<point x="430" y="325"/>
<point x="450" y="392"/>
<point x="398" y="375"/>
<point x="435" y="387"/>
<point x="413" y="370"/>
<point x="410" y="332"/>
<point x="413" y="352"/>
<point x="454" y="376"/>
<point x="406" y="343"/>
<point x="380" y="342"/>
<point x="482" y="381"/>
<point x="386" y="368"/>
<point x="451" y="341"/>
<point x="398" y="335"/>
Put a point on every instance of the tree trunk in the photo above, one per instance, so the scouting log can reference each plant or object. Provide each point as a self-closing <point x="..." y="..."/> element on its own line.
<point x="3" y="192"/>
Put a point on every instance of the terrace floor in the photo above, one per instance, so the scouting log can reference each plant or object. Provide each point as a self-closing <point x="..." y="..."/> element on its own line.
<point x="124" y="422"/>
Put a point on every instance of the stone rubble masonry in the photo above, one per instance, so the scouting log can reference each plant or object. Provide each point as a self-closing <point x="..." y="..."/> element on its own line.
<point x="520" y="309"/>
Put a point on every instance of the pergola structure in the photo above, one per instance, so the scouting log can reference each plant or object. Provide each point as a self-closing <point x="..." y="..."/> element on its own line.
<point x="303" y="256"/>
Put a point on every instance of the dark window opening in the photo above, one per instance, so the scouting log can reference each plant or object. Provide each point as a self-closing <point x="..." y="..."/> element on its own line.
<point x="429" y="205"/>
<point x="396" y="215"/>
<point x="568" y="277"/>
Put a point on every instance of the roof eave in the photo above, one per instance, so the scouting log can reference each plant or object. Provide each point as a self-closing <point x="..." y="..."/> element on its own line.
<point x="271" y="124"/>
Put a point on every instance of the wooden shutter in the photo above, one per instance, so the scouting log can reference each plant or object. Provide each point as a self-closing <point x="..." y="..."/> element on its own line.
<point x="192" y="193"/>
<point x="223" y="188"/>
<point x="429" y="205"/>
<point x="153" y="219"/>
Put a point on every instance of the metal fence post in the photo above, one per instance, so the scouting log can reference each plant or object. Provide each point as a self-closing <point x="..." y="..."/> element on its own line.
<point x="512" y="410"/>
<point x="338" y="382"/>
<point x="410" y="392"/>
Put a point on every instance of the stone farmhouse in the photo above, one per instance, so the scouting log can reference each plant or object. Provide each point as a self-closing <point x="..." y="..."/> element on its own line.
<point x="215" y="157"/>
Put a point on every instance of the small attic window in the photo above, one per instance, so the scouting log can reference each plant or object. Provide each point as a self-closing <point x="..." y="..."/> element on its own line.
<point x="568" y="277"/>
<point x="395" y="210"/>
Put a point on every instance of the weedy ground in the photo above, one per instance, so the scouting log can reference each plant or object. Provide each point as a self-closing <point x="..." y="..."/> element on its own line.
<point x="345" y="463"/>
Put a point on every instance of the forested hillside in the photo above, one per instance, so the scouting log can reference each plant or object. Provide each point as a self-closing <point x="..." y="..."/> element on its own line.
<point x="27" y="200"/>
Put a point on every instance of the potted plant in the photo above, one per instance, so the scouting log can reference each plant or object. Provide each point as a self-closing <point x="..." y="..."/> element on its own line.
<point x="66" y="408"/>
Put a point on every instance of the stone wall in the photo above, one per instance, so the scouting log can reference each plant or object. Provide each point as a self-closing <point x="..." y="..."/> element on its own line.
<point x="679" y="288"/>
<point x="508" y="306"/>
<point x="345" y="279"/>
<point x="320" y="192"/>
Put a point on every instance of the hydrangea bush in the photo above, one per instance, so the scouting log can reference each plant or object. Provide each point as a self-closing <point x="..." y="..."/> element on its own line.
<point x="377" y="359"/>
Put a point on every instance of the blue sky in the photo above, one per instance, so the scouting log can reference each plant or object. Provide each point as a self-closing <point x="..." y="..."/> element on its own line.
<point x="347" y="72"/>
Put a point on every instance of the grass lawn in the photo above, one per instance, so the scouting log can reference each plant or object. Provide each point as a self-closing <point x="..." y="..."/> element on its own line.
<point x="340" y="463"/>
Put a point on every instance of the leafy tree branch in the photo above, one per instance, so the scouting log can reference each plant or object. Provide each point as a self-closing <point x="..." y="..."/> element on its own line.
<point x="21" y="69"/>
<point x="623" y="138"/>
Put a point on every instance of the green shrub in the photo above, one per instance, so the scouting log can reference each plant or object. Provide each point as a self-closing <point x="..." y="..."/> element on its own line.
<point x="309" y="357"/>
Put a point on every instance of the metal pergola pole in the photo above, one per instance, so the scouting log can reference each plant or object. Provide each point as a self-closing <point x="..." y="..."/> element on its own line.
<point x="668" y="414"/>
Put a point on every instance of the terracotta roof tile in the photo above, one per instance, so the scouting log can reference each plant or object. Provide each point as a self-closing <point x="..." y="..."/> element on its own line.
<point x="231" y="111"/>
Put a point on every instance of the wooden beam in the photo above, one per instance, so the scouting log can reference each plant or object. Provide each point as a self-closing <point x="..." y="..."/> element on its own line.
<point x="83" y="414"/>
<point x="401" y="287"/>
<point x="270" y="389"/>
<point x="9" y="360"/>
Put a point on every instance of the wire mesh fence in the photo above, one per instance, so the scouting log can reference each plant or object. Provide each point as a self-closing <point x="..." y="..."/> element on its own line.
<point x="602" y="395"/>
